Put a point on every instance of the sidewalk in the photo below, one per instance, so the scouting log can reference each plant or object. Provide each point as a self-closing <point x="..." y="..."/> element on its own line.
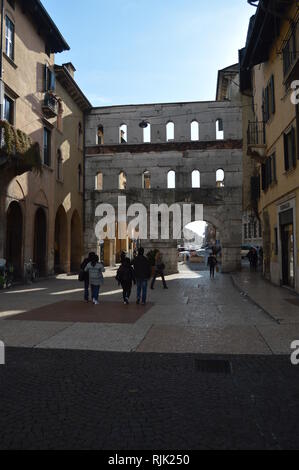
<point x="278" y="302"/>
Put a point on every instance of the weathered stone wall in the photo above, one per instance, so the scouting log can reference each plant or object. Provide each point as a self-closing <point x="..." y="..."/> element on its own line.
<point x="222" y="206"/>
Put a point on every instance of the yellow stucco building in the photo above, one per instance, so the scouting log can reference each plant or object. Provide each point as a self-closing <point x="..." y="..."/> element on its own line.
<point x="269" y="65"/>
<point x="41" y="198"/>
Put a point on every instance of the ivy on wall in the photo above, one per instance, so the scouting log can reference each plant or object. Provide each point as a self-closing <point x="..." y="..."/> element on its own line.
<point x="19" y="149"/>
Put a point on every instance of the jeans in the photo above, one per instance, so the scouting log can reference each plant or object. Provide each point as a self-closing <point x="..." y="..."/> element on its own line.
<point x="141" y="287"/>
<point x="86" y="289"/>
<point x="127" y="288"/>
<point x="95" y="292"/>
<point x="158" y="274"/>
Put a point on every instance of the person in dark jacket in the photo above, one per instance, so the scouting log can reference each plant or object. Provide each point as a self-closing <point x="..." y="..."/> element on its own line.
<point x="86" y="275"/>
<point x="212" y="262"/>
<point x="126" y="276"/>
<point x="159" y="270"/>
<point x="142" y="270"/>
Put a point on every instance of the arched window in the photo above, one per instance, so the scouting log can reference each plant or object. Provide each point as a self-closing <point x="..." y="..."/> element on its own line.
<point x="146" y="180"/>
<point x="59" y="165"/>
<point x="99" y="181"/>
<point x="171" y="179"/>
<point x="122" y="181"/>
<point x="147" y="133"/>
<point x="220" y="178"/>
<point x="169" y="131"/>
<point x="195" y="179"/>
<point x="100" y="135"/>
<point x="194" y="131"/>
<point x="123" y="134"/>
<point x="219" y="129"/>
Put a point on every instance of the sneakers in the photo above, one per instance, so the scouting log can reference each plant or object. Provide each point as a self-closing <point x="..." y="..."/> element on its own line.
<point x="96" y="302"/>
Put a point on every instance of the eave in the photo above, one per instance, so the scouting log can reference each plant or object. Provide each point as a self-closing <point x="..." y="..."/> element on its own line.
<point x="70" y="85"/>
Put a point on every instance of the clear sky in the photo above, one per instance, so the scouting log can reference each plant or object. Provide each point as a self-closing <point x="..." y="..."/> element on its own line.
<point x="147" y="51"/>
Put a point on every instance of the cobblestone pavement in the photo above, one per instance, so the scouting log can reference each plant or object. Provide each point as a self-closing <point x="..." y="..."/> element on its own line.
<point x="195" y="315"/>
<point x="52" y="399"/>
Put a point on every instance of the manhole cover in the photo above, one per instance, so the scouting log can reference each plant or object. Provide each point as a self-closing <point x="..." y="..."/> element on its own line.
<point x="213" y="366"/>
<point x="293" y="301"/>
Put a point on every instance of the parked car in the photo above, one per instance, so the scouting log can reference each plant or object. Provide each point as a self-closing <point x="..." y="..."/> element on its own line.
<point x="184" y="254"/>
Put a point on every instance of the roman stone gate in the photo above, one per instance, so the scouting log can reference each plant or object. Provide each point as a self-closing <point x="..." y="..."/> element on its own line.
<point x="183" y="153"/>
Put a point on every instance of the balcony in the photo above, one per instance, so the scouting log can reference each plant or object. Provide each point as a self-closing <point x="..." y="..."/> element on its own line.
<point x="256" y="141"/>
<point x="50" y="106"/>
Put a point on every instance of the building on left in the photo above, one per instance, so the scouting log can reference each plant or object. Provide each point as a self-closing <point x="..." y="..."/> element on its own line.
<point x="42" y="139"/>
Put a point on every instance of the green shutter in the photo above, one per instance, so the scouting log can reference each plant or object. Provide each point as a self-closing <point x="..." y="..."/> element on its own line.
<point x="293" y="146"/>
<point x="272" y="94"/>
<point x="263" y="171"/>
<point x="46" y="85"/>
<point x="286" y="153"/>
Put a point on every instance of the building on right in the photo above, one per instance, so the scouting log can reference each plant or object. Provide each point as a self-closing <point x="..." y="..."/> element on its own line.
<point x="269" y="67"/>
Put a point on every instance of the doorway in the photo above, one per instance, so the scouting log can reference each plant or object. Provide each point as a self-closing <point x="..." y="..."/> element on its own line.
<point x="287" y="255"/>
<point x="14" y="238"/>
<point x="40" y="240"/>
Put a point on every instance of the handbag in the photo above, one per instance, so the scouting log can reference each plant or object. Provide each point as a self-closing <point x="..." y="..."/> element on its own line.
<point x="81" y="276"/>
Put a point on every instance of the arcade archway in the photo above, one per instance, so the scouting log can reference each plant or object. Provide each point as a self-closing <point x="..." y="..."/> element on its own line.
<point x="40" y="240"/>
<point x="14" y="237"/>
<point x="76" y="242"/>
<point x="61" y="242"/>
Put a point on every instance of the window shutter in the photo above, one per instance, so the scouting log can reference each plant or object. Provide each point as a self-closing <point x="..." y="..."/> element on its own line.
<point x="272" y="95"/>
<point x="263" y="106"/>
<point x="274" y="167"/>
<point x="46" y="85"/>
<point x="267" y="104"/>
<point x="286" y="156"/>
<point x="263" y="169"/>
<point x="293" y="146"/>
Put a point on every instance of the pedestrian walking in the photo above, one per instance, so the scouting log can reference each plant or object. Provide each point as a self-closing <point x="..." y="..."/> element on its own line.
<point x="159" y="270"/>
<point x="125" y="277"/>
<point x="253" y="258"/>
<point x="142" y="270"/>
<point x="84" y="275"/>
<point x="95" y="270"/>
<point x="212" y="262"/>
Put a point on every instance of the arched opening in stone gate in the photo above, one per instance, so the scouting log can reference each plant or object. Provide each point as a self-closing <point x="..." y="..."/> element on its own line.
<point x="14" y="238"/>
<point x="61" y="242"/>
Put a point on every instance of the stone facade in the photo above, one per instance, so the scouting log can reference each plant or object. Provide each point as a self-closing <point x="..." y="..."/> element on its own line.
<point x="182" y="154"/>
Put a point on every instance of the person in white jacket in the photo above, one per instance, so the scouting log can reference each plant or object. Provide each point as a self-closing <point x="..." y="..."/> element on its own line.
<point x="95" y="270"/>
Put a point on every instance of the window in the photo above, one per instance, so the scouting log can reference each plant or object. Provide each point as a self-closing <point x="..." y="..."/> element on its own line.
<point x="269" y="172"/>
<point x="289" y="53"/>
<point x="59" y="116"/>
<point x="268" y="100"/>
<point x="245" y="231"/>
<point x="99" y="182"/>
<point x="171" y="177"/>
<point x="289" y="150"/>
<point x="219" y="129"/>
<point x="59" y="165"/>
<point x="249" y="230"/>
<point x="195" y="179"/>
<point x="100" y="135"/>
<point x="260" y="230"/>
<point x="254" y="229"/>
<point x="47" y="147"/>
<point x="147" y="134"/>
<point x="170" y="131"/>
<point x="123" y="134"/>
<point x="220" y="178"/>
<point x="49" y="79"/>
<point x="9" y="38"/>
<point x="9" y="110"/>
<point x="122" y="181"/>
<point x="146" y="183"/>
<point x="194" y="131"/>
